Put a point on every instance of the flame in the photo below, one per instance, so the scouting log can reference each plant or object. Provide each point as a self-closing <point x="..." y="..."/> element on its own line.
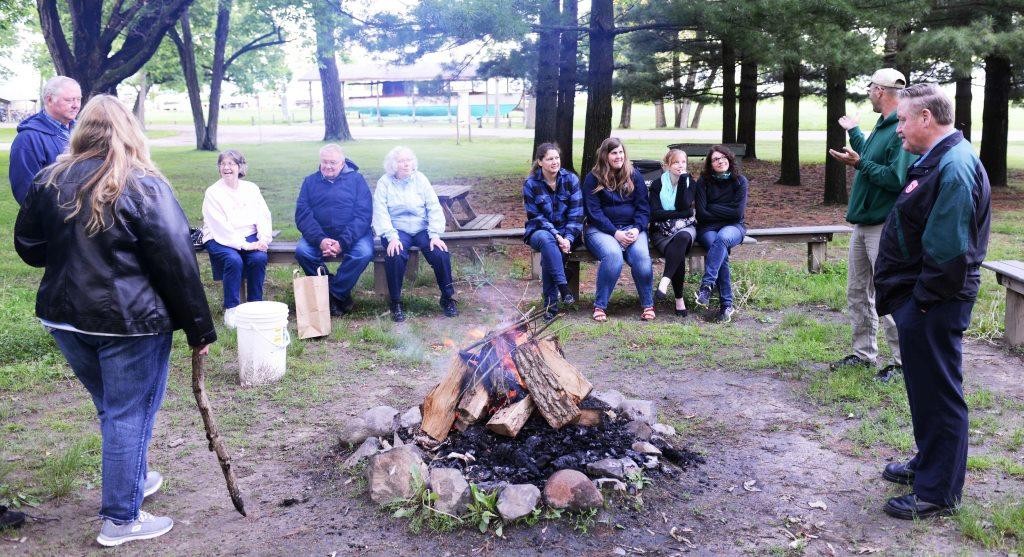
<point x="449" y="343"/>
<point x="476" y="333"/>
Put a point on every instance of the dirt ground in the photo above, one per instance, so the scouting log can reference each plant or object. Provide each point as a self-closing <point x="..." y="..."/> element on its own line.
<point x="813" y="492"/>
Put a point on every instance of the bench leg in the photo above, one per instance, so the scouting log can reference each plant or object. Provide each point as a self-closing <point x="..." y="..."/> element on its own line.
<point x="816" y="252"/>
<point x="695" y="263"/>
<point x="572" y="277"/>
<point x="1014" y="335"/>
<point x="380" y="275"/>
<point x="535" y="265"/>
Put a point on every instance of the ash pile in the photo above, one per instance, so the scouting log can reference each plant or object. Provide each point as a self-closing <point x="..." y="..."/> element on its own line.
<point x="513" y="416"/>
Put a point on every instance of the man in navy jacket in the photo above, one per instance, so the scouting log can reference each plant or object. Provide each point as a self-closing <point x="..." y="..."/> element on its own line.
<point x="44" y="135"/>
<point x="333" y="213"/>
<point x="927" y="276"/>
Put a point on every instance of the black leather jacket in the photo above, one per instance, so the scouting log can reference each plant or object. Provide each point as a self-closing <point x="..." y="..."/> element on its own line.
<point x="137" y="276"/>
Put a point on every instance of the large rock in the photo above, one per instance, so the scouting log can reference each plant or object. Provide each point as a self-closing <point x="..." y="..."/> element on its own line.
<point x="640" y="430"/>
<point x="354" y="432"/>
<point x="611" y="397"/>
<point x="381" y="420"/>
<point x="643" y="447"/>
<point x="618" y="468"/>
<point x="451" y="488"/>
<point x="411" y="418"/>
<point x="572" y="489"/>
<point x="369" y="448"/>
<point x="517" y="501"/>
<point x="664" y="430"/>
<point x="391" y="474"/>
<point x="642" y="410"/>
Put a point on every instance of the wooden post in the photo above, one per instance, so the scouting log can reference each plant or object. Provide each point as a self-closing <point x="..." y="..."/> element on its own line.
<point x="816" y="252"/>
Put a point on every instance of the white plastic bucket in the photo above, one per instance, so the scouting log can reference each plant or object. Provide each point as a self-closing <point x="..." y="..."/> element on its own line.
<point x="262" y="342"/>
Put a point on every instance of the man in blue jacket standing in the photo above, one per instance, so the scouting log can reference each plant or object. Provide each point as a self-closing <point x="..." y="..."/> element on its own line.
<point x="333" y="213"/>
<point x="927" y="276"/>
<point x="44" y="135"/>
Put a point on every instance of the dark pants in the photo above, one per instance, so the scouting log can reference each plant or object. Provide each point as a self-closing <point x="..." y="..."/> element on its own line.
<point x="231" y="265"/>
<point x="930" y="344"/>
<point x="353" y="262"/>
<point x="552" y="265"/>
<point x="675" y="261"/>
<point x="438" y="259"/>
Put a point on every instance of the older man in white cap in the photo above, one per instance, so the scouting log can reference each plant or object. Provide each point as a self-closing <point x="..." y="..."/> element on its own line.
<point x="881" y="164"/>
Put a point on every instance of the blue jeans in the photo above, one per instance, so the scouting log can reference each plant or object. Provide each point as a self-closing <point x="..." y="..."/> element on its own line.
<point x="439" y="260"/>
<point x="353" y="262"/>
<point x="552" y="265"/>
<point x="716" y="263"/>
<point x="126" y="377"/>
<point x="607" y="249"/>
<point x="235" y="264"/>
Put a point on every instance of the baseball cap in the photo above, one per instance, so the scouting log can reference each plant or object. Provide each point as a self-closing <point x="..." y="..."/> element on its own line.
<point x="888" y="77"/>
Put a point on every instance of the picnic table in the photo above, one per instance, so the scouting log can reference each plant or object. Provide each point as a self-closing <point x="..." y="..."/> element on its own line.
<point x="459" y="214"/>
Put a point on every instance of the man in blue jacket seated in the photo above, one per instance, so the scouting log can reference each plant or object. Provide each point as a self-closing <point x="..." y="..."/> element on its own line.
<point x="44" y="135"/>
<point x="927" y="276"/>
<point x="333" y="214"/>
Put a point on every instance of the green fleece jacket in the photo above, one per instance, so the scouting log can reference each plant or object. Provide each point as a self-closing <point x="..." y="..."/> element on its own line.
<point x="881" y="172"/>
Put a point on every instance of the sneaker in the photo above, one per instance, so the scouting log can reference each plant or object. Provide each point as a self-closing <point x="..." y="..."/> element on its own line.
<point x="10" y="519"/>
<point x="153" y="482"/>
<point x="230" y="321"/>
<point x="397" y="312"/>
<point x="889" y="372"/>
<point x="145" y="527"/>
<point x="703" y="295"/>
<point x="850" y="361"/>
<point x="340" y="307"/>
<point x="448" y="306"/>
<point x="726" y="314"/>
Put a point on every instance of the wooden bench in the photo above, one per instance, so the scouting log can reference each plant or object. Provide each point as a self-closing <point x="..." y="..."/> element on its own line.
<point x="284" y="251"/>
<point x="702" y="149"/>
<point x="816" y="238"/>
<point x="1011" y="275"/>
<point x="459" y="214"/>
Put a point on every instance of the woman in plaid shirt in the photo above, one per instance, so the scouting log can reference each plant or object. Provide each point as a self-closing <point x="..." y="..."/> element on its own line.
<point x="554" y="221"/>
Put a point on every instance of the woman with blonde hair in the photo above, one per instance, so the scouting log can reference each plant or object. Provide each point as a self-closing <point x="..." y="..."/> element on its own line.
<point x="672" y="224"/>
<point x="120" y="276"/>
<point x="236" y="232"/>
<point x="618" y="212"/>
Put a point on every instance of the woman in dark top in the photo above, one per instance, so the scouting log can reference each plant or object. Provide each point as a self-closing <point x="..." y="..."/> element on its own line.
<point x="554" y="221"/>
<point x="721" y="202"/>
<point x="672" y="223"/>
<point x="618" y="211"/>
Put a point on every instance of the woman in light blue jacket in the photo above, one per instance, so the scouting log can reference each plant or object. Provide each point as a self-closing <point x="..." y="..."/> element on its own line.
<point x="406" y="213"/>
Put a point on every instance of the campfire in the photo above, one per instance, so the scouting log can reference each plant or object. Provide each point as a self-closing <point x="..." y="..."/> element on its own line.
<point x="506" y="377"/>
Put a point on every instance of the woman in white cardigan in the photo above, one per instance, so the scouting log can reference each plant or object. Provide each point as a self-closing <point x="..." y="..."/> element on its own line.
<point x="236" y="232"/>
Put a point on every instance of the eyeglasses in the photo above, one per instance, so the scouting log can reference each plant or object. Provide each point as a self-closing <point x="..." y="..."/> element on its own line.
<point x="719" y="159"/>
<point x="227" y="164"/>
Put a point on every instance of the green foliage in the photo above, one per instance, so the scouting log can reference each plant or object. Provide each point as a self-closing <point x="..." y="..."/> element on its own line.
<point x="583" y="521"/>
<point x="60" y="474"/>
<point x="420" y="511"/>
<point x="483" y="510"/>
<point x="998" y="527"/>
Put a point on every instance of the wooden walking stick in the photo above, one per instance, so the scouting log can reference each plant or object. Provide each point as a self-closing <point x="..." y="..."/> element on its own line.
<point x="212" y="435"/>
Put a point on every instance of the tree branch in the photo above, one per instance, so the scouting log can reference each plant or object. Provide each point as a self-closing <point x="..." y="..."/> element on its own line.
<point x="255" y="44"/>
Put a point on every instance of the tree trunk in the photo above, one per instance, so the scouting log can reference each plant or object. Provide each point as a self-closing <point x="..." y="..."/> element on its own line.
<point x="995" y="118"/>
<point x="546" y="83"/>
<point x="187" y="55"/>
<point x="695" y="123"/>
<point x="567" y="84"/>
<point x="90" y="60"/>
<point x="728" y="93"/>
<point x="835" y="135"/>
<point x="683" y="107"/>
<point x="895" y="44"/>
<point x="140" y="100"/>
<point x="220" y="43"/>
<point x="964" y="97"/>
<point x="599" y="80"/>
<point x="677" y="83"/>
<point x="659" y="114"/>
<point x="789" y="167"/>
<point x="626" y="117"/>
<point x="335" y="122"/>
<point x="747" y="129"/>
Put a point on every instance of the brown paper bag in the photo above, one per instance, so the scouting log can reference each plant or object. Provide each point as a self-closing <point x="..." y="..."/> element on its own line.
<point x="312" y="305"/>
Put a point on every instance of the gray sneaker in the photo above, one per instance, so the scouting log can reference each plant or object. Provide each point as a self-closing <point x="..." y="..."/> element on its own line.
<point x="726" y="314"/>
<point x="153" y="482"/>
<point x="145" y="527"/>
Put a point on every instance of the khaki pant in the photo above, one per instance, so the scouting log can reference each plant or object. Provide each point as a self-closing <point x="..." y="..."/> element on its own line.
<point x="860" y="296"/>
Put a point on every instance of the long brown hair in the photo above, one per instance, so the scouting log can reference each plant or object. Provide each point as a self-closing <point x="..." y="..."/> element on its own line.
<point x="727" y="153"/>
<point x="105" y="130"/>
<point x="618" y="180"/>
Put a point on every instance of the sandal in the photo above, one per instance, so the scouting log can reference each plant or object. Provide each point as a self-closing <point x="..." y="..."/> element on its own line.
<point x="647" y="315"/>
<point x="600" y="316"/>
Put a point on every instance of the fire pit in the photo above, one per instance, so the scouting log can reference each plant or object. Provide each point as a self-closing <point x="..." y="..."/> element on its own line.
<point x="513" y="415"/>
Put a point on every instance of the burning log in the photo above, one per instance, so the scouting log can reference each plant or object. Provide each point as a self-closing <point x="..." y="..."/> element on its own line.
<point x="471" y="407"/>
<point x="439" y="406"/>
<point x="588" y="417"/>
<point x="510" y="419"/>
<point x="569" y="377"/>
<point x="553" y="401"/>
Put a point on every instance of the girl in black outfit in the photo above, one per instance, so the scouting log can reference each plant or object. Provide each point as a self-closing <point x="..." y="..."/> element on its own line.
<point x="672" y="223"/>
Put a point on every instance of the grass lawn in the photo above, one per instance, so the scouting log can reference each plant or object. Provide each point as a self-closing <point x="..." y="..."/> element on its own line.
<point x="792" y="328"/>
